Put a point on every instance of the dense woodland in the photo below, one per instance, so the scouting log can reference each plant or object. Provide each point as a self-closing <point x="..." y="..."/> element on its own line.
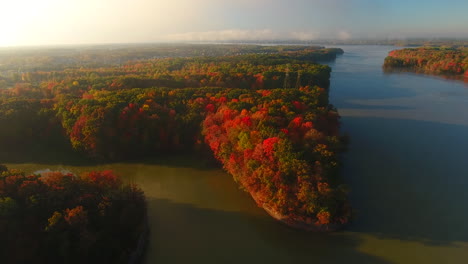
<point x="263" y="113"/>
<point x="58" y="217"/>
<point x="14" y="62"/>
<point x="282" y="146"/>
<point x="432" y="60"/>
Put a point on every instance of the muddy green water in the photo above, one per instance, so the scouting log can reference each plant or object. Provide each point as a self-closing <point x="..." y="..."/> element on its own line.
<point x="406" y="167"/>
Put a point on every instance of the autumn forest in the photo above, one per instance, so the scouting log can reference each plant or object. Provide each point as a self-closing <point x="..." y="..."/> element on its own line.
<point x="262" y="112"/>
<point x="446" y="60"/>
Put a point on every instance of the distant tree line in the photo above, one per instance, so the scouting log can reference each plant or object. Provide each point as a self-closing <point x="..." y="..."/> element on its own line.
<point x="433" y="60"/>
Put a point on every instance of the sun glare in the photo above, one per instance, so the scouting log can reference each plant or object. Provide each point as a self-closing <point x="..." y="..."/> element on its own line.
<point x="19" y="18"/>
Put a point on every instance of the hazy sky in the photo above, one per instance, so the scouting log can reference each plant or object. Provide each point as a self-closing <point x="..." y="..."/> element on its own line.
<point x="36" y="22"/>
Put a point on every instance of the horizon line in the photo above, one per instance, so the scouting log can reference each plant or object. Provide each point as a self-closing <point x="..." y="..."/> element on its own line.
<point x="240" y="41"/>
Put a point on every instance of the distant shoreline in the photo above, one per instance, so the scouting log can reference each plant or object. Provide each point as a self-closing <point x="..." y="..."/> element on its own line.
<point x="378" y="42"/>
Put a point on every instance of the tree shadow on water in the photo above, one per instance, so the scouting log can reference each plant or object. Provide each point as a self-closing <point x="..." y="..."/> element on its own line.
<point x="182" y="233"/>
<point x="44" y="155"/>
<point x="67" y="157"/>
<point x="193" y="160"/>
<point x="408" y="179"/>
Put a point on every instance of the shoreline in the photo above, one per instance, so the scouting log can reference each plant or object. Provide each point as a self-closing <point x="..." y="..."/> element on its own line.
<point x="295" y="223"/>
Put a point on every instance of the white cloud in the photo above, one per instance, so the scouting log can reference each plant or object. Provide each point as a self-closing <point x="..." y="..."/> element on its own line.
<point x="304" y="35"/>
<point x="223" y="35"/>
<point x="240" y="34"/>
<point x="343" y="35"/>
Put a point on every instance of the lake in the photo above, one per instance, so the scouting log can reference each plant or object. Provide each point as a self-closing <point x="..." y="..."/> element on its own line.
<point x="405" y="166"/>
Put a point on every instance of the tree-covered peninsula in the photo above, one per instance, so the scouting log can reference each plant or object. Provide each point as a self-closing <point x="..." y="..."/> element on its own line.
<point x="431" y="60"/>
<point x="262" y="111"/>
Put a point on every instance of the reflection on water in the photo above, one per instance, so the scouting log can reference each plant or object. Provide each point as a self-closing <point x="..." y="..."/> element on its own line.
<point x="406" y="159"/>
<point x="449" y="77"/>
<point x="405" y="165"/>
<point x="361" y="89"/>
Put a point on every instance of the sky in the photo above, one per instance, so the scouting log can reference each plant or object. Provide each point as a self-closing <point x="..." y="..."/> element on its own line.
<point x="57" y="22"/>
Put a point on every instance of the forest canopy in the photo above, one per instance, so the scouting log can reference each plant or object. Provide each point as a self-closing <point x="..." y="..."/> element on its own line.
<point x="59" y="217"/>
<point x="432" y="60"/>
<point x="262" y="111"/>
